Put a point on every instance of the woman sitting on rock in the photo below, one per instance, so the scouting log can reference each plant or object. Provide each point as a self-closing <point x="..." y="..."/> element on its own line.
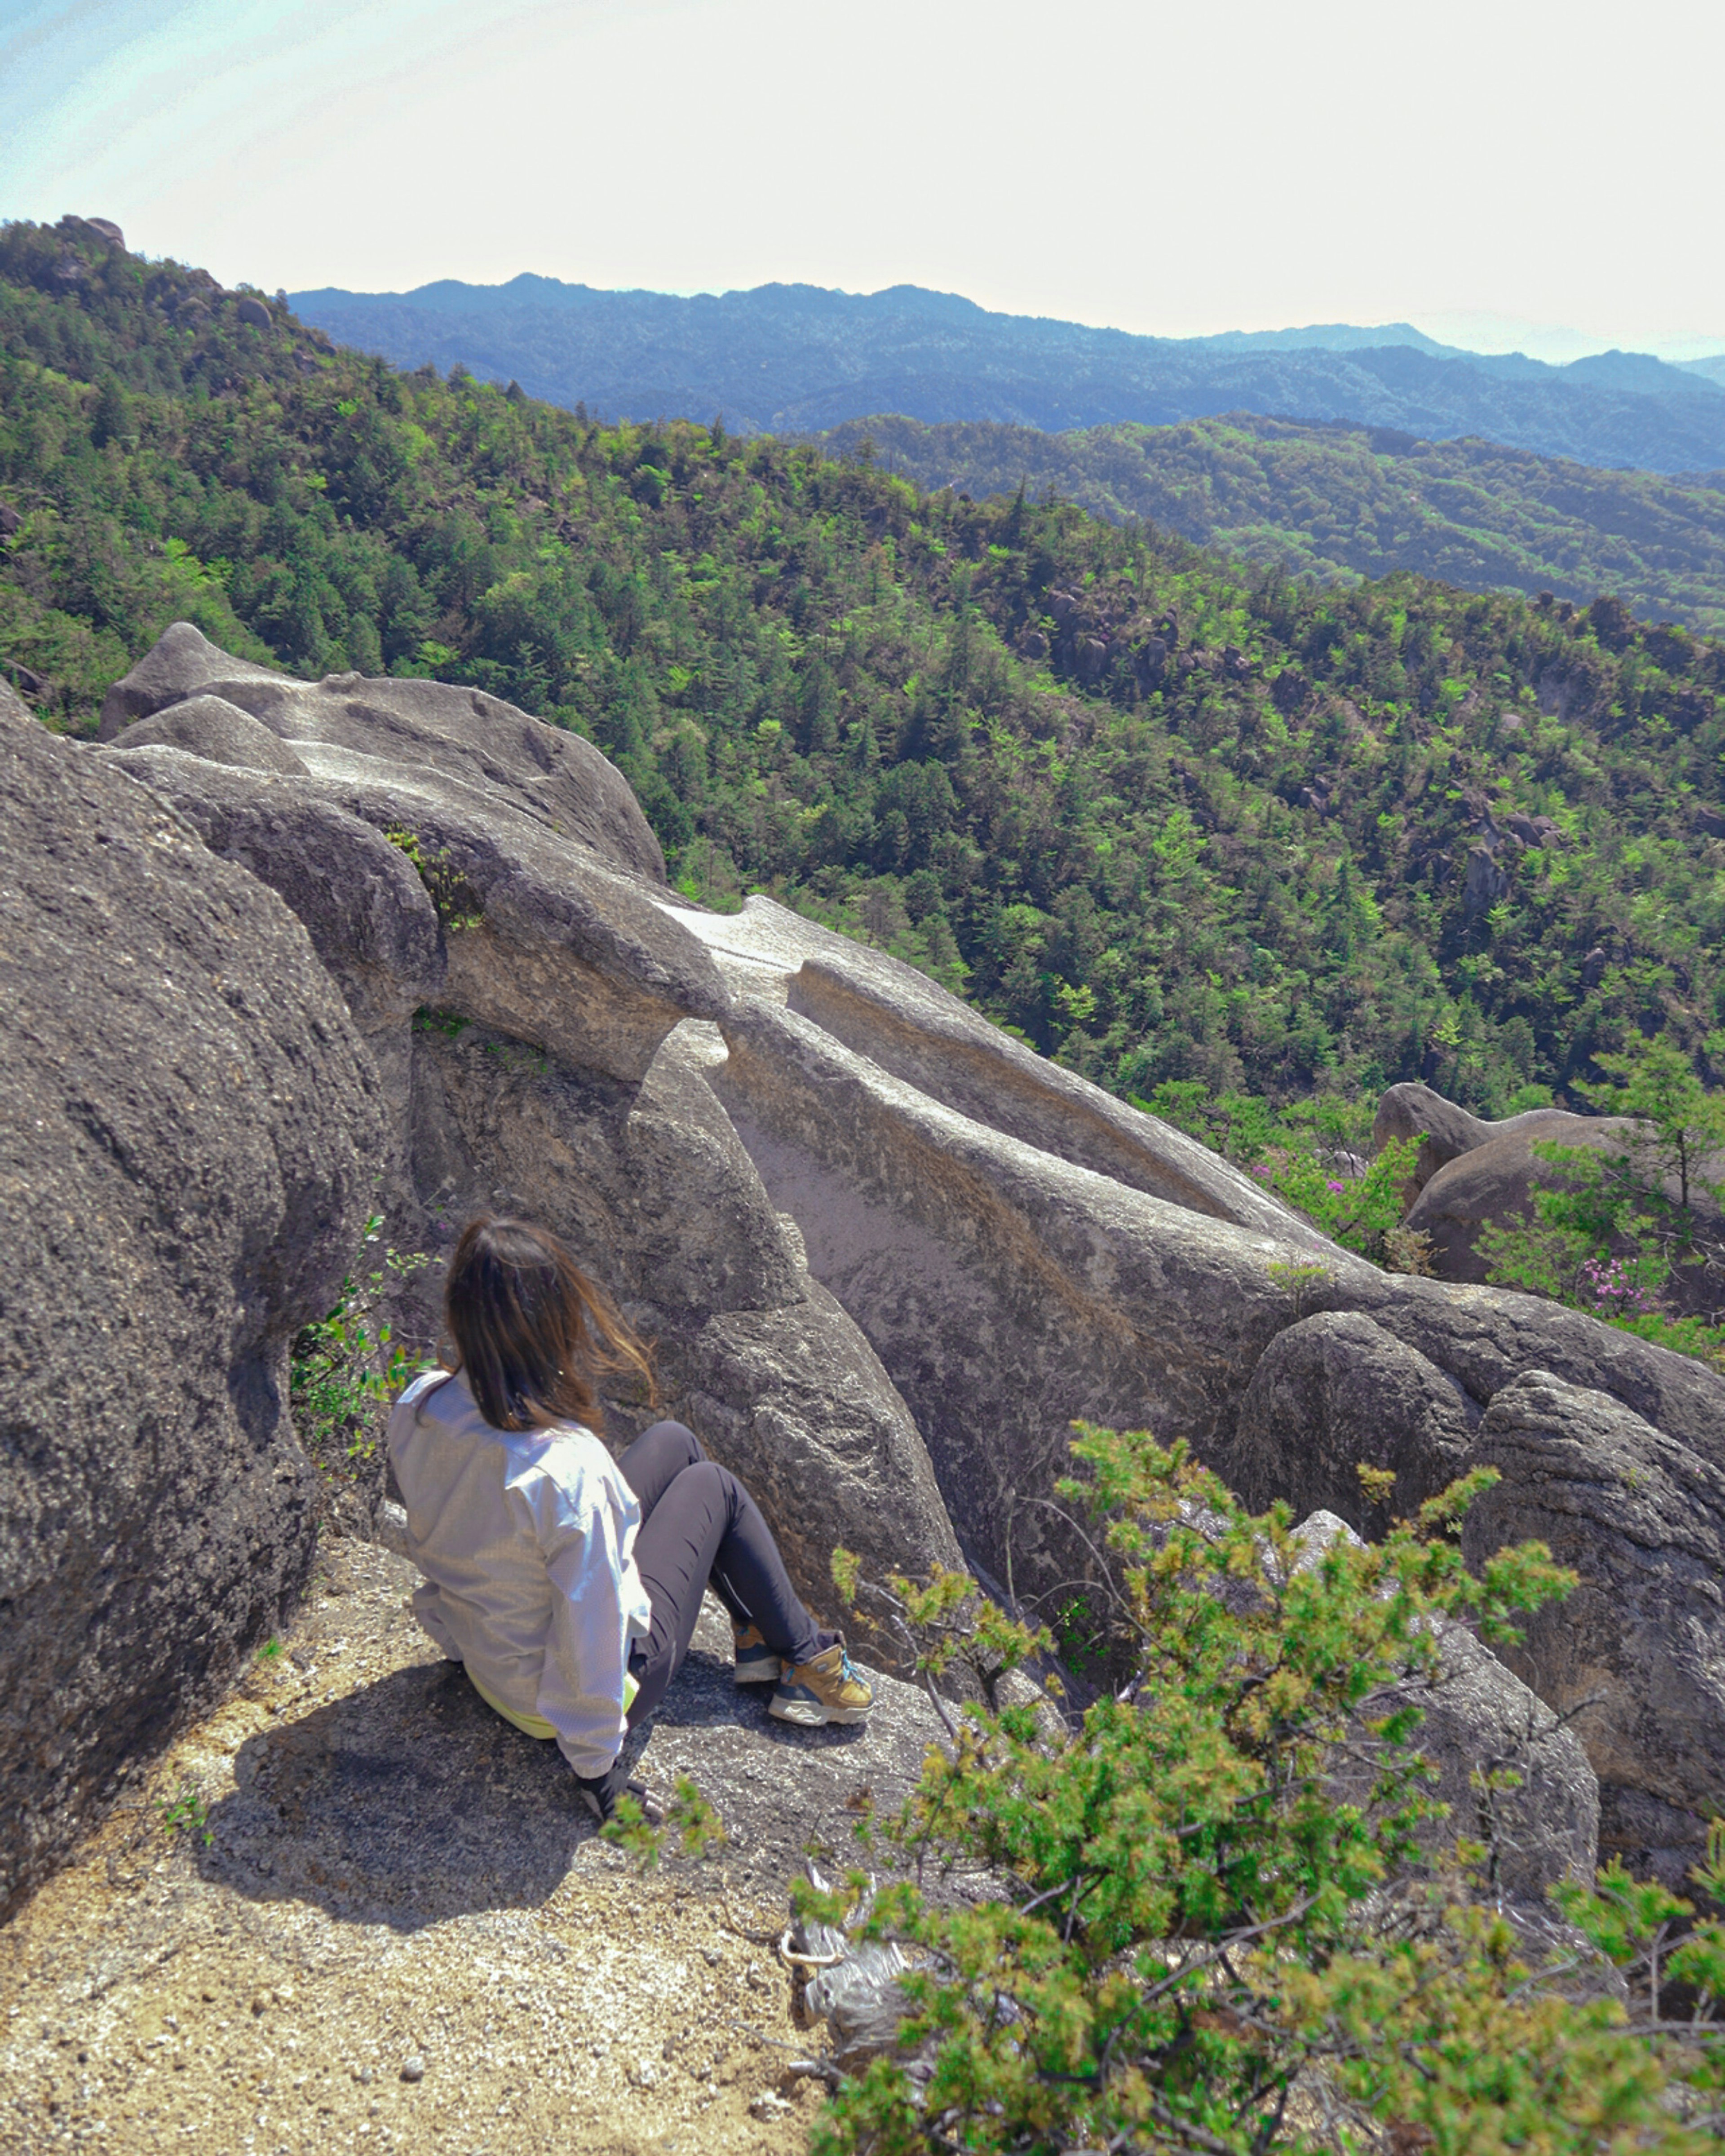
<point x="567" y="1583"/>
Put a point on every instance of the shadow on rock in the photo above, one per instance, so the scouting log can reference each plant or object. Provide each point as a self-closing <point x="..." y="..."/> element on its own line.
<point x="409" y="1802"/>
<point x="405" y="1803"/>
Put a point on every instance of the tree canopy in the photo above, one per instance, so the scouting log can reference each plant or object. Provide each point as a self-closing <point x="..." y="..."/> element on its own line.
<point x="1170" y="817"/>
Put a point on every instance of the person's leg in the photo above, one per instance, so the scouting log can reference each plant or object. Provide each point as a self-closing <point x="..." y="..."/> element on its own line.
<point x="657" y="1459"/>
<point x="706" y="1530"/>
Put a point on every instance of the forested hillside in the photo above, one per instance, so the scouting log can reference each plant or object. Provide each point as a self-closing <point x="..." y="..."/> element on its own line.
<point x="1168" y="816"/>
<point x="1344" y="501"/>
<point x="788" y="357"/>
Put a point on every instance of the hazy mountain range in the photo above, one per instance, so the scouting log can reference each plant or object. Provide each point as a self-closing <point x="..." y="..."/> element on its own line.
<point x="798" y="358"/>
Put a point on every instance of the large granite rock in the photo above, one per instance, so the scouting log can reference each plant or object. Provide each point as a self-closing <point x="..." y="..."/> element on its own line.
<point x="888" y="1255"/>
<point x="544" y="938"/>
<point x="188" y="1120"/>
<point x="540" y="1038"/>
<point x="1006" y="1291"/>
<point x="917" y="1033"/>
<point x="1637" y="1653"/>
<point x="444" y="743"/>
<point x="1444" y="1129"/>
<point x="1471" y="1174"/>
<point x="1355" y="1396"/>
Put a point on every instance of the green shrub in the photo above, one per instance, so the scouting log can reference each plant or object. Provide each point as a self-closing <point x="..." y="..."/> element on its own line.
<point x="1204" y="1944"/>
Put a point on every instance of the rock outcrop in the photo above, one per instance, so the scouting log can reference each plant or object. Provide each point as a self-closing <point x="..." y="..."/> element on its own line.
<point x="888" y="1255"/>
<point x="1357" y="1397"/>
<point x="1637" y="1652"/>
<point x="188" y="1122"/>
<point x="1471" y="1174"/>
<point x="446" y="744"/>
<point x="484" y="890"/>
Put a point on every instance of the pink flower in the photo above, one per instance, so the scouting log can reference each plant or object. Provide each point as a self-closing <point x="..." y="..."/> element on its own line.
<point x="1335" y="1186"/>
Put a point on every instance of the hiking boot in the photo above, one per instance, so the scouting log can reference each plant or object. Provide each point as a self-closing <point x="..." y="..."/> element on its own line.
<point x="755" y="1661"/>
<point x="829" y="1688"/>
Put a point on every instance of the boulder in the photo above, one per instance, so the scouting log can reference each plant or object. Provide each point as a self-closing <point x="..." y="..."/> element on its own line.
<point x="1481" y="1725"/>
<point x="1636" y="1655"/>
<point x="1445" y="1130"/>
<point x="188" y="1121"/>
<point x="363" y="904"/>
<point x="430" y="739"/>
<point x="1496" y="1184"/>
<point x="1335" y="1392"/>
<point x="1471" y="1173"/>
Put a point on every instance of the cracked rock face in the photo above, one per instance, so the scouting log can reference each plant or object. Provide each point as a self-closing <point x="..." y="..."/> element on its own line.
<point x="1637" y="1653"/>
<point x="187" y="1118"/>
<point x="888" y="1255"/>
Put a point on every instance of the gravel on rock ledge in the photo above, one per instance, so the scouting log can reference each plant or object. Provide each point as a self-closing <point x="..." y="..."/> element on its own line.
<point x="382" y="1921"/>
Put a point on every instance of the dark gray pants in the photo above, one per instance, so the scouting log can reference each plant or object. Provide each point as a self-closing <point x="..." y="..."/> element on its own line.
<point x="700" y="1527"/>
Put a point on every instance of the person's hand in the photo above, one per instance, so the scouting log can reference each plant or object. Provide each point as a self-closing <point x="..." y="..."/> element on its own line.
<point x="599" y="1793"/>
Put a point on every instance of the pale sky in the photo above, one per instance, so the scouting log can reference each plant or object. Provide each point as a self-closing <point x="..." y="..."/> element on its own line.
<point x="1498" y="172"/>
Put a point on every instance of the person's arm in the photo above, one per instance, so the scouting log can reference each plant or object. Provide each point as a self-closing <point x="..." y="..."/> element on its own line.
<point x="426" y="1599"/>
<point x="580" y="1687"/>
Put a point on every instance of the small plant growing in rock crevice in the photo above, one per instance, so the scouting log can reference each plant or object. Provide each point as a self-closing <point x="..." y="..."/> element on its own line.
<point x="186" y="1811"/>
<point x="458" y="905"/>
<point x="348" y="1368"/>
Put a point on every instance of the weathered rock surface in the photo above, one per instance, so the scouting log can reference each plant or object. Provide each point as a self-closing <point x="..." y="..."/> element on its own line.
<point x="187" y="1116"/>
<point x="1335" y="1392"/>
<point x="1006" y="1291"/>
<point x="447" y="744"/>
<point x="210" y="726"/>
<point x="1641" y="1518"/>
<point x="1481" y="1722"/>
<point x="919" y="1034"/>
<point x="1444" y="1129"/>
<point x="553" y="946"/>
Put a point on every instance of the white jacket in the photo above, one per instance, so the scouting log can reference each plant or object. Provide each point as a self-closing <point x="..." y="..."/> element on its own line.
<point x="525" y="1540"/>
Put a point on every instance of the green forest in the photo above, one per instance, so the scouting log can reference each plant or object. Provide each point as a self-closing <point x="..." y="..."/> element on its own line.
<point x="1171" y="817"/>
<point x="1337" y="501"/>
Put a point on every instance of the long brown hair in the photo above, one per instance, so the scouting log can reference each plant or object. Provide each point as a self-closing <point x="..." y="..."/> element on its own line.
<point x="530" y="1329"/>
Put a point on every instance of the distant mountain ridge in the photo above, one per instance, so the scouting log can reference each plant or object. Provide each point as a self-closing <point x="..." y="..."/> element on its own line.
<point x="800" y="358"/>
<point x="1336" y="501"/>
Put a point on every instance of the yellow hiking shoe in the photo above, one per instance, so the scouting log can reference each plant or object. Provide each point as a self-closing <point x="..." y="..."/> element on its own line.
<point x="755" y="1661"/>
<point x="829" y="1688"/>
